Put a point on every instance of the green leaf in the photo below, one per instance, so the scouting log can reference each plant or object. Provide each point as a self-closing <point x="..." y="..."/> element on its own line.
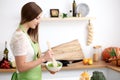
<point x="112" y="53"/>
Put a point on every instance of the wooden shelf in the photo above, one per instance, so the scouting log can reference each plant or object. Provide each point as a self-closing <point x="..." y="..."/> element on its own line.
<point x="7" y="70"/>
<point x="79" y="65"/>
<point x="68" y="19"/>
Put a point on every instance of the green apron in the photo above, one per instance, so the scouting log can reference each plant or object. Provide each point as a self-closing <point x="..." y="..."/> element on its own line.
<point x="34" y="73"/>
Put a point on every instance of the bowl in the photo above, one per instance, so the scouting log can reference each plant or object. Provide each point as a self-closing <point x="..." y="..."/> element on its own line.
<point x="50" y="66"/>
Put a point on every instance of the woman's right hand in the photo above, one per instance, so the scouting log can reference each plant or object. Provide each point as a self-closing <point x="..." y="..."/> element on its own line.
<point x="48" y="55"/>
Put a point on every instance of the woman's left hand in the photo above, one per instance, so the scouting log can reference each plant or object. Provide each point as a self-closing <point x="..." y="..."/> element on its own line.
<point x="52" y="72"/>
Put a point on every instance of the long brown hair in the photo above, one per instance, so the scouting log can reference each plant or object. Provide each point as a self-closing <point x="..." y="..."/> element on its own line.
<point x="29" y="12"/>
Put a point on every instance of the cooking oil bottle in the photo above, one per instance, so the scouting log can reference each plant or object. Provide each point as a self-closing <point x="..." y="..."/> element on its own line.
<point x="5" y="63"/>
<point x="74" y="8"/>
<point x="6" y="51"/>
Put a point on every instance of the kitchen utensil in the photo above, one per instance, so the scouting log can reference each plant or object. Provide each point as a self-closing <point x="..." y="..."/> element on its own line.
<point x="53" y="59"/>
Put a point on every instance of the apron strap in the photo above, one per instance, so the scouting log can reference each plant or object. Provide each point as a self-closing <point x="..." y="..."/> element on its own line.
<point x="34" y="45"/>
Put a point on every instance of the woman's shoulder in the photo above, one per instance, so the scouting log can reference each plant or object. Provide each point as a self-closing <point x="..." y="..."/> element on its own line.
<point x="18" y="35"/>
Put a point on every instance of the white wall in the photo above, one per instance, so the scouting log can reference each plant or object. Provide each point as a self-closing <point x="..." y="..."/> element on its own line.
<point x="106" y="25"/>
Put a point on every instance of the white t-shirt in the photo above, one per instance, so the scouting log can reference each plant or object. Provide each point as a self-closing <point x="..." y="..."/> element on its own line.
<point x="21" y="45"/>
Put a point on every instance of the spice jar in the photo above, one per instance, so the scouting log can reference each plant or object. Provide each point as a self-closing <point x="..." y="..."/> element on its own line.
<point x="96" y="53"/>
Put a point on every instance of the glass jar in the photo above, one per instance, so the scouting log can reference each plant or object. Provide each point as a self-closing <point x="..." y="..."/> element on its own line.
<point x="97" y="53"/>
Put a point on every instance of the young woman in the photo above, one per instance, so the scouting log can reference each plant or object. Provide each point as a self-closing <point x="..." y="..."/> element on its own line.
<point x="24" y="44"/>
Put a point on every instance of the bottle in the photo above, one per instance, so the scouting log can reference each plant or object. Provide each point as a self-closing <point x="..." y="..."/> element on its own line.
<point x="74" y="8"/>
<point x="5" y="63"/>
<point x="6" y="51"/>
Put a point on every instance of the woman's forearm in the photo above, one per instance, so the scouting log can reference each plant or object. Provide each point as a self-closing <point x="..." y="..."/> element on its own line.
<point x="24" y="66"/>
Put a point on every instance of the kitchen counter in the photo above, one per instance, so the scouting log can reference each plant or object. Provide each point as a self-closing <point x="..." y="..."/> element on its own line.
<point x="78" y="65"/>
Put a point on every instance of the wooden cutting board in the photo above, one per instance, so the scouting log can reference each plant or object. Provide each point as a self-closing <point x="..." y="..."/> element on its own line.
<point x="68" y="51"/>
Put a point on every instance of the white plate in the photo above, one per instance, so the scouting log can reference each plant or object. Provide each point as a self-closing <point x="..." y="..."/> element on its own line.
<point x="83" y="9"/>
